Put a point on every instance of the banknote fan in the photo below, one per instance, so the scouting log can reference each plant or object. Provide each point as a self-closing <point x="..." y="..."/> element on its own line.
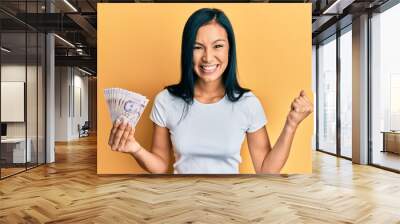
<point x="124" y="103"/>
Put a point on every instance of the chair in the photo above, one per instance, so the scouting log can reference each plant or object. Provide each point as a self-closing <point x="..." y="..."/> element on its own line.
<point x="84" y="130"/>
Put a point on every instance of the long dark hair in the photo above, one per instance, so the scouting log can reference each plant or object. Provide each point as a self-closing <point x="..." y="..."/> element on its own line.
<point x="185" y="88"/>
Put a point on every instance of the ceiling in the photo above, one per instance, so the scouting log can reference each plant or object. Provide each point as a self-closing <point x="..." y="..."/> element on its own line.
<point x="76" y="22"/>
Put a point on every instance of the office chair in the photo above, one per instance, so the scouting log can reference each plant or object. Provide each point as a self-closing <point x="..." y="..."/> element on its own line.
<point x="84" y="130"/>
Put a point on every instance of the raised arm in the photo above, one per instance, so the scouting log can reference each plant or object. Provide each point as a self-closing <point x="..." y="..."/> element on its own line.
<point x="271" y="160"/>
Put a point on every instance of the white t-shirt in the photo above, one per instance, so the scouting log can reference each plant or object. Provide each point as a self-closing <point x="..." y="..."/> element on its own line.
<point x="208" y="139"/>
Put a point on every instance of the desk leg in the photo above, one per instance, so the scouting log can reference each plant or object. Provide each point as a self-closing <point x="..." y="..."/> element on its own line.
<point x="384" y="143"/>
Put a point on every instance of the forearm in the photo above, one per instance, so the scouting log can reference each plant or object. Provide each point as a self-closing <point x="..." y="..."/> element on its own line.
<point x="150" y="161"/>
<point x="276" y="158"/>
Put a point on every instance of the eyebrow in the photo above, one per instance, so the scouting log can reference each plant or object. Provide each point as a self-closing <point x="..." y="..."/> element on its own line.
<point x="212" y="42"/>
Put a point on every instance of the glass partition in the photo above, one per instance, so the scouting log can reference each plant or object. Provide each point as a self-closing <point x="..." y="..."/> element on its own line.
<point x="13" y="99"/>
<point x="327" y="95"/>
<point x="22" y="88"/>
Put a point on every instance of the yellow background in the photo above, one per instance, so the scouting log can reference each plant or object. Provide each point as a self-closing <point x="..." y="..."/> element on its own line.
<point x="139" y="50"/>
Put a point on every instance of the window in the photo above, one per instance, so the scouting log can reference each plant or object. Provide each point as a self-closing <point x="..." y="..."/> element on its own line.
<point x="385" y="88"/>
<point x="346" y="92"/>
<point x="327" y="95"/>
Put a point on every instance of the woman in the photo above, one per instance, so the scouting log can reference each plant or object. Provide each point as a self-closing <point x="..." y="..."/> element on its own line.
<point x="205" y="117"/>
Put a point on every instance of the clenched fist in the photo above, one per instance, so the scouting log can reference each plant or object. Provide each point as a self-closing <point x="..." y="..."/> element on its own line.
<point x="300" y="108"/>
<point x="122" y="137"/>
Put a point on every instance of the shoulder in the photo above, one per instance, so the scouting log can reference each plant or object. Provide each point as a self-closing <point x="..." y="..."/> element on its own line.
<point x="248" y="94"/>
<point x="249" y="98"/>
<point x="164" y="97"/>
<point x="163" y="94"/>
<point x="249" y="103"/>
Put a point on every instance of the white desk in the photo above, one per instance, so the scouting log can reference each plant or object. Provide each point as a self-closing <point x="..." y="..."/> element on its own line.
<point x="17" y="145"/>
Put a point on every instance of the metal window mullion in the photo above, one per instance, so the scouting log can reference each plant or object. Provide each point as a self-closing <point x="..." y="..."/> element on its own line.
<point x="72" y="92"/>
<point x="37" y="91"/>
<point x="338" y="80"/>
<point x="0" y="98"/>
<point x="317" y="96"/>
<point x="69" y="93"/>
<point x="45" y="95"/>
<point x="369" y="89"/>
<point x="26" y="87"/>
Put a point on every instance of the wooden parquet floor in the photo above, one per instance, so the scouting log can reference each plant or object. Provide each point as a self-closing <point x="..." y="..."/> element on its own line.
<point x="70" y="191"/>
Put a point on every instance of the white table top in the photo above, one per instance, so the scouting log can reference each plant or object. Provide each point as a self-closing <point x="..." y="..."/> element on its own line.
<point x="13" y="140"/>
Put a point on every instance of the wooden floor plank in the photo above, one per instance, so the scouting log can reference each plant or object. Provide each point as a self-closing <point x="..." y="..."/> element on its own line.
<point x="70" y="191"/>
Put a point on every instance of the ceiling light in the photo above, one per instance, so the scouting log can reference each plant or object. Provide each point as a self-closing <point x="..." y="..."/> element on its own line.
<point x="84" y="71"/>
<point x="337" y="7"/>
<point x="71" y="6"/>
<point x="65" y="41"/>
<point x="5" y="50"/>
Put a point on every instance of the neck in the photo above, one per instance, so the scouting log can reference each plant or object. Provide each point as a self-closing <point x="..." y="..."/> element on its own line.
<point x="209" y="88"/>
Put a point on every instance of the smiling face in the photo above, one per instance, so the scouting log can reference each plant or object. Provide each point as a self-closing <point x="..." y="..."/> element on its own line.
<point x="211" y="52"/>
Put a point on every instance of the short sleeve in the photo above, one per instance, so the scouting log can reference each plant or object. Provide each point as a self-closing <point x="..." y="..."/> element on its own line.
<point x="256" y="114"/>
<point x="158" y="113"/>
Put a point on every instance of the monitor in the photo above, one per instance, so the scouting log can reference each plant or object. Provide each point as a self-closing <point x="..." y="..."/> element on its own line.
<point x="3" y="129"/>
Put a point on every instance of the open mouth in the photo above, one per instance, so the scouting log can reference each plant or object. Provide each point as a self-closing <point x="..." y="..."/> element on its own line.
<point x="208" y="69"/>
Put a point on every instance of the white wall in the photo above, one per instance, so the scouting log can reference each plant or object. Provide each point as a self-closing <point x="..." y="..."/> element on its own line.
<point x="71" y="93"/>
<point x="33" y="127"/>
<point x="61" y="104"/>
<point x="16" y="73"/>
<point x="80" y="84"/>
